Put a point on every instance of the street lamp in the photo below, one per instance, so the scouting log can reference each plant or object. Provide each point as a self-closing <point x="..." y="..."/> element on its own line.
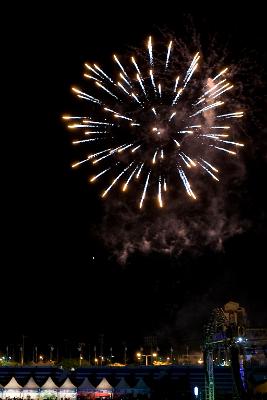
<point x="80" y="349"/>
<point x="89" y="354"/>
<point x="155" y="356"/>
<point x="21" y="355"/>
<point x="51" y="352"/>
<point x="35" y="353"/>
<point x="196" y="392"/>
<point x="95" y="354"/>
<point x="187" y="354"/>
<point x="139" y="355"/>
<point x="125" y="355"/>
<point x="111" y="355"/>
<point x="22" y="351"/>
<point x="171" y="354"/>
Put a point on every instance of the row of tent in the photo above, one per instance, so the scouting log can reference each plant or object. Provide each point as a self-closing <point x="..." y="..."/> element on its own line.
<point x="67" y="390"/>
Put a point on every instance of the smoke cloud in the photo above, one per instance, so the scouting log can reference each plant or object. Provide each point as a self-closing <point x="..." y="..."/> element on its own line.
<point x="184" y="224"/>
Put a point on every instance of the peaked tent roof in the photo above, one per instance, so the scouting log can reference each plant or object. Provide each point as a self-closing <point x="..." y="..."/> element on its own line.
<point x="104" y="385"/>
<point x="31" y="384"/>
<point x="67" y="384"/>
<point x="86" y="385"/>
<point x="122" y="384"/>
<point x="141" y="385"/>
<point x="49" y="384"/>
<point x="13" y="384"/>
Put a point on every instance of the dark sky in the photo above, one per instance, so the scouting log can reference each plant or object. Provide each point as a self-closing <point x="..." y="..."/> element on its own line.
<point x="51" y="287"/>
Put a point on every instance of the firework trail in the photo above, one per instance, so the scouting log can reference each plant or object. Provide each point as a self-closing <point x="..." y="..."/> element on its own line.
<point x="155" y="122"/>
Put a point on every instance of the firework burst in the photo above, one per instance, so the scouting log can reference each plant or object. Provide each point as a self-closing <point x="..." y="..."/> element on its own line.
<point x="153" y="124"/>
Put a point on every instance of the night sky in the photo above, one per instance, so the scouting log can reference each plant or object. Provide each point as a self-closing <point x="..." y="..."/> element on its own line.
<point x="51" y="286"/>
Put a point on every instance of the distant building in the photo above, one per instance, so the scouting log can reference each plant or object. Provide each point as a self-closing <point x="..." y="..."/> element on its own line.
<point x="236" y="315"/>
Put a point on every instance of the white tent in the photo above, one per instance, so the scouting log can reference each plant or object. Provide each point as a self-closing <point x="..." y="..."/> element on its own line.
<point x="49" y="389"/>
<point x="49" y="384"/>
<point x="31" y="389"/>
<point x="12" y="389"/>
<point x="122" y="387"/>
<point x="104" y="388"/>
<point x="67" y="390"/>
<point x="141" y="388"/>
<point x="104" y="385"/>
<point x="31" y="384"/>
<point x="86" y="386"/>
